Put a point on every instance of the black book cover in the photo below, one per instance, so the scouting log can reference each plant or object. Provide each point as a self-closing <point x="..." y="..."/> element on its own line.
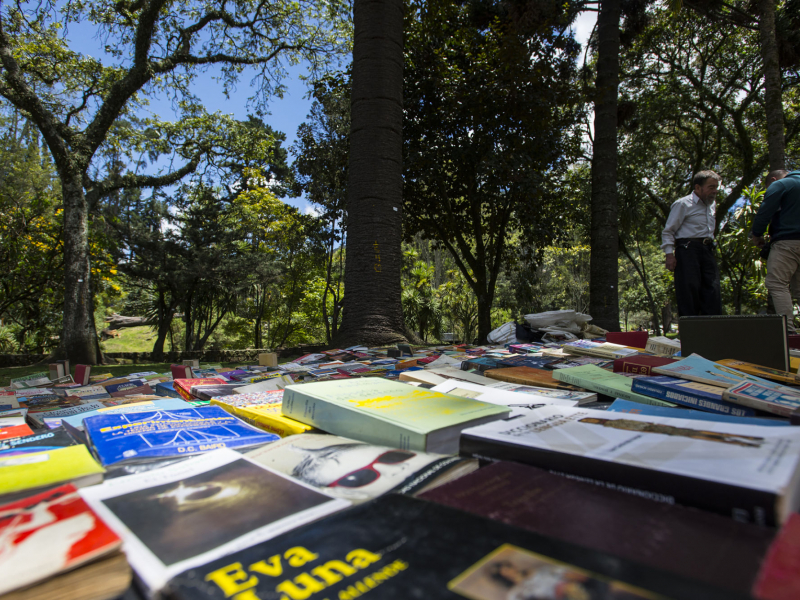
<point x="398" y="547"/>
<point x="39" y="442"/>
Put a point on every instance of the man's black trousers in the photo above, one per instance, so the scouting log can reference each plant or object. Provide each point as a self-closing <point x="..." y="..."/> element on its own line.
<point x="696" y="279"/>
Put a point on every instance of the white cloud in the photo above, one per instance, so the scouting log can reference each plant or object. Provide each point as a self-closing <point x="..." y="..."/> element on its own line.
<point x="583" y="26"/>
<point x="312" y="210"/>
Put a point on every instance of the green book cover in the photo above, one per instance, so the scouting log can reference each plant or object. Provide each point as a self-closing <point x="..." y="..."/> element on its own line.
<point x="605" y="382"/>
<point x="387" y="413"/>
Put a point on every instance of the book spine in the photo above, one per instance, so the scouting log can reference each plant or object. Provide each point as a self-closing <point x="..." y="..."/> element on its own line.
<point x="271" y="423"/>
<point x="349" y="422"/>
<point x="608" y="390"/>
<point x="685" y="397"/>
<point x="743" y="504"/>
<point x="756" y="403"/>
<point x="633" y="368"/>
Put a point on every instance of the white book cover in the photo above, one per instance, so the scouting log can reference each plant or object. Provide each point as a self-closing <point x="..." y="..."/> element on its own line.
<point x="514" y="400"/>
<point x="190" y="513"/>
<point x="540" y="391"/>
<point x="750" y="456"/>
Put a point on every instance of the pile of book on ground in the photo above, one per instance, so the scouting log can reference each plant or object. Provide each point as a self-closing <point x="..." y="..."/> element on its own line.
<point x="574" y="470"/>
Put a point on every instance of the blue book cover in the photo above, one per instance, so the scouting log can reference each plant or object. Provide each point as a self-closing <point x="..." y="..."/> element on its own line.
<point x="141" y="407"/>
<point x="166" y="389"/>
<point x="121" y="387"/>
<point x="481" y="364"/>
<point x="520" y="360"/>
<point x="635" y="408"/>
<point x="169" y="433"/>
<point x="693" y="394"/>
<point x="696" y="368"/>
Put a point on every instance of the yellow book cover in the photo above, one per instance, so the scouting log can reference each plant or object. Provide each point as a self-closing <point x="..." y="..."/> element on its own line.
<point x="266" y="416"/>
<point x="761" y="371"/>
<point x="29" y="471"/>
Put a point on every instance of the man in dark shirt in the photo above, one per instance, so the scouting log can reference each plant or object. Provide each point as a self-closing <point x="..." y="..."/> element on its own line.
<point x="781" y="210"/>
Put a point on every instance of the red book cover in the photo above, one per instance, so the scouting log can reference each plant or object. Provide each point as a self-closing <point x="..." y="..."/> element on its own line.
<point x="641" y="365"/>
<point x="634" y="339"/>
<point x="184" y="386"/>
<point x="48" y="533"/>
<point x="82" y="373"/>
<point x="779" y="577"/>
<point x="181" y="372"/>
<point x="15" y="431"/>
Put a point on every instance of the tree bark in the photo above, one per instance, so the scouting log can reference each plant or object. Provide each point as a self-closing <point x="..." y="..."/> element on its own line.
<point x="604" y="272"/>
<point x="372" y="313"/>
<point x="773" y="96"/>
<point x="78" y="336"/>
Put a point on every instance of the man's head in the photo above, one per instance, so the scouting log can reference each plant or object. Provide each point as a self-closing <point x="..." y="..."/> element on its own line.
<point x="775" y="176"/>
<point x="705" y="185"/>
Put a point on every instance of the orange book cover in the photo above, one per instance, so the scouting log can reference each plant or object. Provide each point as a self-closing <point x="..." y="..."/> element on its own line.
<point x="528" y="376"/>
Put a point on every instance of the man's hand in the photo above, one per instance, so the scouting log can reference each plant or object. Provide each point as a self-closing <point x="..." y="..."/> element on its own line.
<point x="757" y="241"/>
<point x="670" y="262"/>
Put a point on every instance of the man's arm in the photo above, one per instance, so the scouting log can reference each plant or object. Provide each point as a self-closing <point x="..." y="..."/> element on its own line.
<point x="676" y="215"/>
<point x="770" y="205"/>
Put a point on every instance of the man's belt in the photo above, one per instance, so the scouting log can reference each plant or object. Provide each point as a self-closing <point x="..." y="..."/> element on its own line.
<point x="705" y="241"/>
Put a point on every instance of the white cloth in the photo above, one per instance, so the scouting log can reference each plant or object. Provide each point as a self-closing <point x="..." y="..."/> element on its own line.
<point x="689" y="217"/>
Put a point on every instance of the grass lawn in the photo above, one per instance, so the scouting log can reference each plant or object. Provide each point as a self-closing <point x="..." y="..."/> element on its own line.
<point x="9" y="373"/>
<point x="132" y="339"/>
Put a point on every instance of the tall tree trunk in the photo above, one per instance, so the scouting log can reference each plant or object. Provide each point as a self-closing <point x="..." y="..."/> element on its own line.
<point x="773" y="97"/>
<point x="604" y="272"/>
<point x="78" y="336"/>
<point x="164" y="325"/>
<point x="373" y="313"/>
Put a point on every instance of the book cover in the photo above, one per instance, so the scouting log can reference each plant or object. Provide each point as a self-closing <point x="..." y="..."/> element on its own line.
<point x="139" y="390"/>
<point x="32" y="380"/>
<point x="579" y="397"/>
<point x="578" y="361"/>
<point x="38" y="442"/>
<point x="694" y="544"/>
<point x="184" y="386"/>
<point x="147" y="406"/>
<point x="189" y="513"/>
<point x="530" y="376"/>
<point x="397" y="547"/>
<point x="38" y="414"/>
<point x="641" y="364"/>
<point x="520" y="360"/>
<point x="387" y="413"/>
<point x="748" y="472"/>
<point x="776" y="375"/>
<point x="120" y="389"/>
<point x="356" y="471"/>
<point x="14" y="431"/>
<point x="697" y="368"/>
<point x="89" y="392"/>
<point x="8" y="400"/>
<point x="778" y="578"/>
<point x="207" y="392"/>
<point x="599" y="349"/>
<point x="513" y="400"/>
<point x="263" y="410"/>
<point x="636" y="408"/>
<point x="181" y="372"/>
<point x="700" y="396"/>
<point x="49" y="533"/>
<point x="480" y="364"/>
<point x="754" y="395"/>
<point x="167" y="390"/>
<point x="82" y="374"/>
<point x="167" y="433"/>
<point x="605" y="382"/>
<point x="38" y="469"/>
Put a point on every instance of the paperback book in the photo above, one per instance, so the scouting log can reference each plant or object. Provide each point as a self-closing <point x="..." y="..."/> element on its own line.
<point x="636" y="408"/>
<point x="513" y="400"/>
<point x="755" y="395"/>
<point x="30" y="471"/>
<point x="168" y="433"/>
<point x="748" y="472"/>
<point x="605" y="382"/>
<point x="148" y="406"/>
<point x="689" y="393"/>
<point x="262" y="409"/>
<point x="37" y="442"/>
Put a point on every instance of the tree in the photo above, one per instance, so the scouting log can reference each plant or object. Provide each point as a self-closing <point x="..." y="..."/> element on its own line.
<point x="83" y="105"/>
<point x="372" y="311"/>
<point x="488" y="102"/>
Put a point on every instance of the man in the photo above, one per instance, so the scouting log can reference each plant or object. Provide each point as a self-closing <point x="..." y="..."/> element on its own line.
<point x="781" y="210"/>
<point x="688" y="243"/>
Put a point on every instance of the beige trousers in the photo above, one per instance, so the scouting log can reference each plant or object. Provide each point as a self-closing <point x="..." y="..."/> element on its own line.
<point x="783" y="277"/>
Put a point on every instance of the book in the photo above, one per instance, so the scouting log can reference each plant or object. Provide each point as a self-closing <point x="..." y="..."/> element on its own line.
<point x="50" y="533"/>
<point x="778" y="578"/>
<point x="636" y="408"/>
<point x="398" y="547"/>
<point x="387" y="413"/>
<point x="147" y="406"/>
<point x="263" y="410"/>
<point x="167" y="390"/>
<point x="56" y="370"/>
<point x="8" y="400"/>
<point x="691" y="543"/>
<point x="29" y="381"/>
<point x="121" y="389"/>
<point x="480" y="364"/>
<point x="167" y="433"/>
<point x="38" y="442"/>
<point x="207" y="392"/>
<point x="530" y="376"/>
<point x="184" y="386"/>
<point x="14" y="431"/>
<point x="700" y="396"/>
<point x="181" y="372"/>
<point x="89" y="392"/>
<point x="635" y="339"/>
<point x="38" y="415"/>
<point x="69" y="464"/>
<point x="697" y="368"/>
<point x="640" y="364"/>
<point x="513" y="400"/>
<point x="663" y="346"/>
<point x="579" y="397"/>
<point x="754" y="395"/>
<point x="598" y="349"/>
<point x="776" y="375"/>
<point x="521" y="360"/>
<point x="82" y="374"/>
<point x="605" y="382"/>
<point x="748" y="472"/>
<point x="189" y="513"/>
<point x="356" y="471"/>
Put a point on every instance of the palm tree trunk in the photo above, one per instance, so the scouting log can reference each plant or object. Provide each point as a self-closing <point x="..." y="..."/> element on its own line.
<point x="604" y="272"/>
<point x="372" y="307"/>
<point x="773" y="97"/>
